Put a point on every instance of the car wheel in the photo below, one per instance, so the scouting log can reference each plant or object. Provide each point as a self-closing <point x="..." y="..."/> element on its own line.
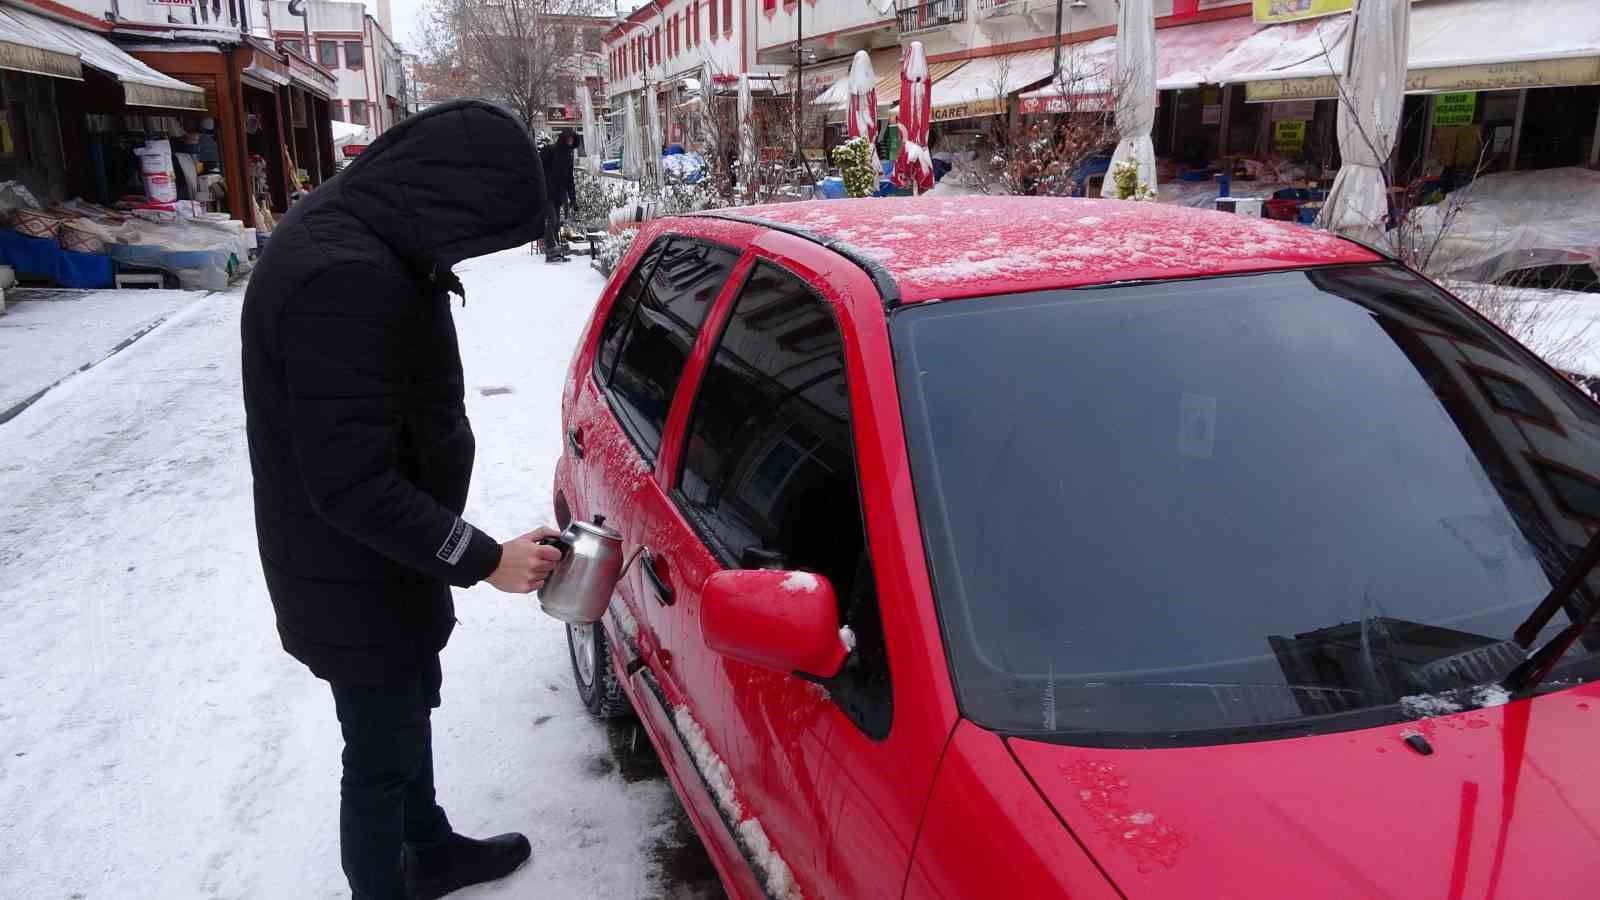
<point x="598" y="685"/>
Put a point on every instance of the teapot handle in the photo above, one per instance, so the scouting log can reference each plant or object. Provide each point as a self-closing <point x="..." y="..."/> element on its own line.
<point x="559" y="543"/>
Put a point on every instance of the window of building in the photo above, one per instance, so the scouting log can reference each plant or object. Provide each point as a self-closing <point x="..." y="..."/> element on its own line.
<point x="769" y="465"/>
<point x="1577" y="493"/>
<point x="727" y="16"/>
<point x="296" y="46"/>
<point x="352" y="54"/>
<point x="711" y="12"/>
<point x="1512" y="396"/>
<point x="358" y="112"/>
<point x="670" y="294"/>
<point x="328" y="54"/>
<point x="591" y="40"/>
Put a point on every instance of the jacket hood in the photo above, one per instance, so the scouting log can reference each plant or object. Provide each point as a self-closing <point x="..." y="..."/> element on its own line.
<point x="455" y="181"/>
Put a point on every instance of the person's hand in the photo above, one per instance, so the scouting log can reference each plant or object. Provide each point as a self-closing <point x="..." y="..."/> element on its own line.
<point x="525" y="563"/>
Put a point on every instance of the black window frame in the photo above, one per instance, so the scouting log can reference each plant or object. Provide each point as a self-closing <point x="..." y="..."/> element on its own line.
<point x="652" y="259"/>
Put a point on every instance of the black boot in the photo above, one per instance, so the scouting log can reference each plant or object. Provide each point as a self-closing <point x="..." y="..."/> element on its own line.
<point x="438" y="869"/>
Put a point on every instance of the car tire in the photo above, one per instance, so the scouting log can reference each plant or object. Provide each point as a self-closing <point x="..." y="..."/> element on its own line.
<point x="599" y="688"/>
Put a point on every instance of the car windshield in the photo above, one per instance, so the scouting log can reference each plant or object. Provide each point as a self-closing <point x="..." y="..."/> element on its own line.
<point x="1230" y="508"/>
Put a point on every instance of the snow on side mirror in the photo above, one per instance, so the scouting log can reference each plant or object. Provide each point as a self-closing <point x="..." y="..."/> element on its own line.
<point x="784" y="621"/>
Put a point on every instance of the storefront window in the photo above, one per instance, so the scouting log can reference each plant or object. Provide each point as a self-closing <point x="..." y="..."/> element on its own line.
<point x="328" y="54"/>
<point x="352" y="54"/>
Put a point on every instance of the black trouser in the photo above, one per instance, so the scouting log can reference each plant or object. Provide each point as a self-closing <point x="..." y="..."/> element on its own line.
<point x="386" y="795"/>
<point x="552" y="229"/>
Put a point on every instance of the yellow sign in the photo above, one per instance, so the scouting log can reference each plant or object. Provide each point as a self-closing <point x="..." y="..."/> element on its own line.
<point x="1289" y="137"/>
<point x="1454" y="109"/>
<point x="973" y="110"/>
<point x="1292" y="10"/>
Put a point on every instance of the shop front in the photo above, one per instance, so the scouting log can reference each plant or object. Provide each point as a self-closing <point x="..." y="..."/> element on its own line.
<point x="306" y="100"/>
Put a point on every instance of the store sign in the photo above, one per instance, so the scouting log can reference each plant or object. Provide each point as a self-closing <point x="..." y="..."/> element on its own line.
<point x="973" y="110"/>
<point x="1486" y="77"/>
<point x="1289" y="137"/>
<point x="23" y="58"/>
<point x="353" y="150"/>
<point x="1040" y="106"/>
<point x="1293" y="10"/>
<point x="1454" y="109"/>
<point x="173" y="2"/>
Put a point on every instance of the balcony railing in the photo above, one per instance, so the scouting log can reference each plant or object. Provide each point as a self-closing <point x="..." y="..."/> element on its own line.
<point x="995" y="8"/>
<point x="929" y="15"/>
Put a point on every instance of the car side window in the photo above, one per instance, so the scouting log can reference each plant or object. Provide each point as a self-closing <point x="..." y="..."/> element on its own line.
<point x="668" y="308"/>
<point x="621" y="314"/>
<point x="769" y="473"/>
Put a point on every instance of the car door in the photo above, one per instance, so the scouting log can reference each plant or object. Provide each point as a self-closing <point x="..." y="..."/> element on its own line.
<point x="766" y="477"/>
<point x="620" y="412"/>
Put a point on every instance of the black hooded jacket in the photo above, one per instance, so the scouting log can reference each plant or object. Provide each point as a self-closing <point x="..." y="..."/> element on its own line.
<point x="359" y="440"/>
<point x="558" y="158"/>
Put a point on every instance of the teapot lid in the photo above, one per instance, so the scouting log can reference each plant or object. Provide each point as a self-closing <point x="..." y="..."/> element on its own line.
<point x="598" y="528"/>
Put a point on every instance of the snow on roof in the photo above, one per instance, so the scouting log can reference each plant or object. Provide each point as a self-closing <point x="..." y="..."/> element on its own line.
<point x="940" y="248"/>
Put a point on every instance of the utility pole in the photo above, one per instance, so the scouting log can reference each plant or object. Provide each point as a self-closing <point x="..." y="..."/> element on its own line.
<point x="799" y="80"/>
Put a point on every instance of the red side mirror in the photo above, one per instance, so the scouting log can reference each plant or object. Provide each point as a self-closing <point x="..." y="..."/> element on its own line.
<point x="784" y="621"/>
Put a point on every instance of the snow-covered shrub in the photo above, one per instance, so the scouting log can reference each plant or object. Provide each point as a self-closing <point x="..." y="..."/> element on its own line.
<point x="596" y="197"/>
<point x="612" y="249"/>
<point x="1125" y="179"/>
<point x="856" y="163"/>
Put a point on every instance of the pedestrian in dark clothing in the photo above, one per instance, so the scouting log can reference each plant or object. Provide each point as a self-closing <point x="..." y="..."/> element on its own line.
<point x="362" y="453"/>
<point x="560" y="187"/>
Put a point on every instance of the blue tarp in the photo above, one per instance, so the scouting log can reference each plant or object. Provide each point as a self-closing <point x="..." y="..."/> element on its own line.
<point x="44" y="258"/>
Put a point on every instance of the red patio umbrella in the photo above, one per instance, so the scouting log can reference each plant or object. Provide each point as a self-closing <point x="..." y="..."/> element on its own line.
<point x="914" y="167"/>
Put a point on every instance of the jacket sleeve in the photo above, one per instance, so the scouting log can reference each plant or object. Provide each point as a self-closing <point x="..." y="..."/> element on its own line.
<point x="344" y="367"/>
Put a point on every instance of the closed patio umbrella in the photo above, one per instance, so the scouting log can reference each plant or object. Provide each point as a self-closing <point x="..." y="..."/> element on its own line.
<point x="1371" y="91"/>
<point x="1135" y="89"/>
<point x="914" y="167"/>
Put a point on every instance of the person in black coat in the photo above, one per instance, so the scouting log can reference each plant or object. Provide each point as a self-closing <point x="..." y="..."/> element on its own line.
<point x="560" y="187"/>
<point x="362" y="453"/>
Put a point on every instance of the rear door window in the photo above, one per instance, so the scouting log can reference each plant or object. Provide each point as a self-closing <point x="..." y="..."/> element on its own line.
<point x="666" y="307"/>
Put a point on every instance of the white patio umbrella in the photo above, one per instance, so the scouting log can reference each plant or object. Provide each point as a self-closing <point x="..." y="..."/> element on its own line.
<point x="863" y="121"/>
<point x="1371" y="90"/>
<point x="652" y="150"/>
<point x="747" y="138"/>
<point x="632" y="145"/>
<point x="593" y="143"/>
<point x="1135" y="88"/>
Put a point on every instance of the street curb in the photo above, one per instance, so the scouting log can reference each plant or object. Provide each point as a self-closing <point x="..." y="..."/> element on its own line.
<point x="16" y="409"/>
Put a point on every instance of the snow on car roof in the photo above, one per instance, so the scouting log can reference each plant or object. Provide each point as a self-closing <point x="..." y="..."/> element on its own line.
<point x="947" y="247"/>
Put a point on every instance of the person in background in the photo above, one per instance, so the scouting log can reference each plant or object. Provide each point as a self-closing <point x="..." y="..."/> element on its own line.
<point x="361" y="454"/>
<point x="561" y="188"/>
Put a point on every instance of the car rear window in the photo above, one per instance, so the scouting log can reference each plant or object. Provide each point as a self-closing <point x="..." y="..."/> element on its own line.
<point x="1210" y="509"/>
<point x="652" y="326"/>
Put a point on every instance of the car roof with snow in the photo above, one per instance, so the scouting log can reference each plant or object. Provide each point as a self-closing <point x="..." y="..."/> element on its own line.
<point x="948" y="247"/>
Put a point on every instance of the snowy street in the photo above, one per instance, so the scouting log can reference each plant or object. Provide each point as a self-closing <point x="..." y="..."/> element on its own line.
<point x="155" y="740"/>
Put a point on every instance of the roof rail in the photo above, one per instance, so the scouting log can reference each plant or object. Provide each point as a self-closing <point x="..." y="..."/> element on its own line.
<point x="888" y="290"/>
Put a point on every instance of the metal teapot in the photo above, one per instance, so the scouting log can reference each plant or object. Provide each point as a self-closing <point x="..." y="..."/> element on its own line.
<point x="580" y="588"/>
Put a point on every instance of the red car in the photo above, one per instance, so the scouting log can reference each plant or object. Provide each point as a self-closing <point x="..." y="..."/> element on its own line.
<point x="1025" y="547"/>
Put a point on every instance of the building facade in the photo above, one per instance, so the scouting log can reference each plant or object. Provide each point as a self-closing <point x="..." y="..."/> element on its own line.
<point x="88" y="82"/>
<point x="1517" y="85"/>
<point x="373" y="90"/>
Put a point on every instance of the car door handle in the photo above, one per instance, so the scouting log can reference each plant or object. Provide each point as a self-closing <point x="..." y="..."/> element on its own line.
<point x="575" y="441"/>
<point x="663" y="590"/>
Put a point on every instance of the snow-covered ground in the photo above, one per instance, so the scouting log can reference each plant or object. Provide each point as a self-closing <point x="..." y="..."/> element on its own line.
<point x="46" y="335"/>
<point x="156" y="742"/>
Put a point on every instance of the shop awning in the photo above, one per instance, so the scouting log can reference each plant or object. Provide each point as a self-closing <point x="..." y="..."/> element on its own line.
<point x="981" y="87"/>
<point x="24" y="48"/>
<point x="1460" y="45"/>
<point x="1187" y="56"/>
<point x="141" y="85"/>
<point x="885" y="61"/>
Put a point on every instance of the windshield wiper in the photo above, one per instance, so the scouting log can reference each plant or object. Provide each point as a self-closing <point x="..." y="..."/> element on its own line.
<point x="1531" y="671"/>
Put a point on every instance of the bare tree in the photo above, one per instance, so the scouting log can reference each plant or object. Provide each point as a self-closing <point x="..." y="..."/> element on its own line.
<point x="1040" y="155"/>
<point x="517" y="52"/>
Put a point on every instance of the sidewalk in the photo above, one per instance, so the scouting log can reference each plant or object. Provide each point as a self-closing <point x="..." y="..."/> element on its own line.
<point x="46" y="334"/>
